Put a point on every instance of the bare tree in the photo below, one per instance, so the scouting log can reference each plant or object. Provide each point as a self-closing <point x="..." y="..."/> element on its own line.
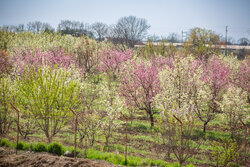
<point x="100" y="30"/>
<point x="130" y="30"/>
<point x="14" y="28"/>
<point x="21" y="27"/>
<point x="46" y="27"/>
<point x="64" y="25"/>
<point x="244" y="41"/>
<point x="173" y="37"/>
<point x="35" y="26"/>
<point x="153" y="38"/>
<point x="75" y="28"/>
<point x="230" y="41"/>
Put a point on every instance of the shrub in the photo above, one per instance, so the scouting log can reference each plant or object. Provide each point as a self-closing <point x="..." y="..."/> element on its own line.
<point x="39" y="147"/>
<point x="224" y="151"/>
<point x="56" y="148"/>
<point x="5" y="142"/>
<point x="22" y="145"/>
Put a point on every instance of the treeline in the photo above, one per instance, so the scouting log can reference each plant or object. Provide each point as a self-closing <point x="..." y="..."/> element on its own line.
<point x="128" y="31"/>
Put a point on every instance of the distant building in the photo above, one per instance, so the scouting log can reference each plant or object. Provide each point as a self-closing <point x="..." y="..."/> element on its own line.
<point x="239" y="50"/>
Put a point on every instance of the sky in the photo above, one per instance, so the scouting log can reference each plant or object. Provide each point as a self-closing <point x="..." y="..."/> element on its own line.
<point x="164" y="16"/>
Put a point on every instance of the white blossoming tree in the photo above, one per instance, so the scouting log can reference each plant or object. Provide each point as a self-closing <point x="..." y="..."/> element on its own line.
<point x="176" y="102"/>
<point x="236" y="109"/>
<point x="113" y="106"/>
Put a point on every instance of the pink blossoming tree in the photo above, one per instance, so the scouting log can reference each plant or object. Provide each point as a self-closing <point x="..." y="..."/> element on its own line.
<point x="112" y="60"/>
<point x="139" y="84"/>
<point x="39" y="58"/>
<point x="216" y="76"/>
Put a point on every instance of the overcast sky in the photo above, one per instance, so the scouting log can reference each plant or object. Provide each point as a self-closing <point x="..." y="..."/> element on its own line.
<point x="164" y="16"/>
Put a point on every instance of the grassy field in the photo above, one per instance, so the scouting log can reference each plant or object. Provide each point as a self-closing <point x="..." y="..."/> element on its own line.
<point x="144" y="144"/>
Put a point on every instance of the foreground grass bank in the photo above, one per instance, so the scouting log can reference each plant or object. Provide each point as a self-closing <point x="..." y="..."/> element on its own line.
<point x="59" y="150"/>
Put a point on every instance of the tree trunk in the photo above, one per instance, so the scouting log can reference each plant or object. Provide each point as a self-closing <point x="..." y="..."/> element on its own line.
<point x="205" y="127"/>
<point x="93" y="140"/>
<point x="126" y="143"/>
<point x="151" y="119"/>
<point x="181" y="149"/>
<point x="49" y="138"/>
<point x="17" y="139"/>
<point x="107" y="143"/>
<point x="131" y="118"/>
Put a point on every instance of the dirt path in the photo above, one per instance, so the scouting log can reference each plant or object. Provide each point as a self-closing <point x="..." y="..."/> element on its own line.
<point x="10" y="159"/>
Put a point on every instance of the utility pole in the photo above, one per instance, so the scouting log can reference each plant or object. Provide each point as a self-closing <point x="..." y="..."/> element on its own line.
<point x="226" y="42"/>
<point x="183" y="35"/>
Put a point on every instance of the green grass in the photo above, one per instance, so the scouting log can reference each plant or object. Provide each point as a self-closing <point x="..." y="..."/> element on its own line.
<point x="195" y="160"/>
<point x="5" y="143"/>
<point x="118" y="159"/>
<point x="38" y="135"/>
<point x="205" y="147"/>
<point x="140" y="126"/>
<point x="72" y="149"/>
<point x="217" y="135"/>
<point x="142" y="137"/>
<point x="219" y="120"/>
<point x="121" y="149"/>
<point x="197" y="134"/>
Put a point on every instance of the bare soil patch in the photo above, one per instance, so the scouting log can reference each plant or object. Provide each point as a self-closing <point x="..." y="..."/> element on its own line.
<point x="8" y="158"/>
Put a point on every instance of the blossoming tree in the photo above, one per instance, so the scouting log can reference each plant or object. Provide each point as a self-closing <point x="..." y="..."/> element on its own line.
<point x="216" y="78"/>
<point x="139" y="84"/>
